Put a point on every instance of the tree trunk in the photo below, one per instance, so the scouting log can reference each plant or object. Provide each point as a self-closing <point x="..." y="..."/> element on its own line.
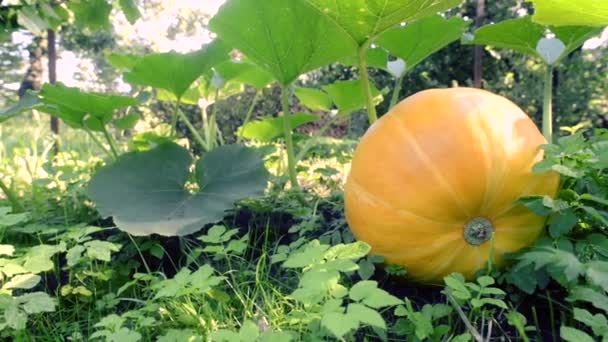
<point x="33" y="76"/>
<point x="478" y="51"/>
<point x="52" y="56"/>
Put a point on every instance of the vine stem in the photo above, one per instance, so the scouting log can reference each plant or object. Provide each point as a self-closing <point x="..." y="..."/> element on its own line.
<point x="174" y="119"/>
<point x="254" y="102"/>
<point x="548" y="105"/>
<point x="192" y="129"/>
<point x="291" y="159"/>
<point x="476" y="335"/>
<point x="12" y="197"/>
<point x="364" y="76"/>
<point x="98" y="143"/>
<point x="397" y="90"/>
<point x="106" y="134"/>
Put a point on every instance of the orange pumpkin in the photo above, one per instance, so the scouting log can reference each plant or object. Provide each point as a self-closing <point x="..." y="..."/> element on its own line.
<point x="434" y="179"/>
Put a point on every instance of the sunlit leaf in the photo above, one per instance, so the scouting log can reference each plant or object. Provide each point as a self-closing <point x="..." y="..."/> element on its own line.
<point x="413" y="44"/>
<point x="287" y="38"/>
<point x="365" y="19"/>
<point x="314" y="99"/>
<point x="349" y="96"/>
<point x="270" y="129"/>
<point x="175" y="72"/>
<point x="569" y="12"/>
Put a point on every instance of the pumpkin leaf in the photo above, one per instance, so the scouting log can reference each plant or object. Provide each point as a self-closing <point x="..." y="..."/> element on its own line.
<point x="92" y="14"/>
<point x="244" y="72"/>
<point x="265" y="32"/>
<point x="77" y="108"/>
<point x="314" y="99"/>
<point x="525" y="36"/>
<point x="270" y="129"/>
<point x="28" y="102"/>
<point x="36" y="302"/>
<point x="129" y="8"/>
<point x="568" y="13"/>
<point x="145" y="193"/>
<point x="349" y="96"/>
<point x="363" y="19"/>
<point x="411" y="43"/>
<point x="175" y="72"/>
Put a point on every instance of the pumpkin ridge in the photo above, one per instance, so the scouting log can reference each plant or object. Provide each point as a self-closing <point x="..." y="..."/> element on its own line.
<point x="457" y="198"/>
<point x="401" y="211"/>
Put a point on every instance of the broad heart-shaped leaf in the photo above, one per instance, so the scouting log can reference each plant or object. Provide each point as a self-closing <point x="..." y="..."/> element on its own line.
<point x="244" y="72"/>
<point x="174" y="71"/>
<point x="519" y="34"/>
<point x="569" y="12"/>
<point x="314" y="99"/>
<point x="365" y="19"/>
<point x="286" y="38"/>
<point x="270" y="129"/>
<point x="418" y="40"/>
<point x="349" y="96"/>
<point x="129" y="8"/>
<point x="27" y="102"/>
<point x="145" y="191"/>
<point x="523" y="35"/>
<point x="91" y="14"/>
<point x="76" y="108"/>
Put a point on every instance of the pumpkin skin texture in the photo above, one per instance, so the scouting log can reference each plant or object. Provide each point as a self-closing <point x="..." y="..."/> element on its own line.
<point x="439" y="163"/>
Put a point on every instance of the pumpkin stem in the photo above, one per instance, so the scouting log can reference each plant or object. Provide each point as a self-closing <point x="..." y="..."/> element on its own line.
<point x="477" y="231"/>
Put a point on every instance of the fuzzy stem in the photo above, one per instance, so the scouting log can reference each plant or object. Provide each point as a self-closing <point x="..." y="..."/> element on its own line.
<point x="364" y="76"/>
<point x="291" y="159"/>
<point x="548" y="105"/>
<point x="12" y="197"/>
<point x="254" y="102"/>
<point x="106" y="134"/>
<point x="174" y="119"/>
<point x="397" y="91"/>
<point x="98" y="142"/>
<point x="192" y="129"/>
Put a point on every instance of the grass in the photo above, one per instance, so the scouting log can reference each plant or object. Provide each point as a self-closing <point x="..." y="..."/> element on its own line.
<point x="273" y="268"/>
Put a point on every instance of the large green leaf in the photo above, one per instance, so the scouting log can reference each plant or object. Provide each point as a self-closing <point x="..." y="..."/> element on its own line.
<point x="27" y="102"/>
<point x="129" y="8"/>
<point x="527" y="37"/>
<point x="287" y="38"/>
<point x="244" y="72"/>
<point x="76" y="108"/>
<point x="91" y="14"/>
<point x="413" y="44"/>
<point x="270" y="129"/>
<point x="145" y="191"/>
<point x="174" y="71"/>
<point x="571" y="12"/>
<point x="365" y="19"/>
<point x="314" y="99"/>
<point x="349" y="96"/>
<point x="519" y="34"/>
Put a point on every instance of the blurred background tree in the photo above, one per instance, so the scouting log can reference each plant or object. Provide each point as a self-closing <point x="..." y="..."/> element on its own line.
<point x="581" y="82"/>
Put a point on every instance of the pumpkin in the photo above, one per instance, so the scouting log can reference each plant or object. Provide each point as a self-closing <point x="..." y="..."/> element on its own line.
<point x="434" y="183"/>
